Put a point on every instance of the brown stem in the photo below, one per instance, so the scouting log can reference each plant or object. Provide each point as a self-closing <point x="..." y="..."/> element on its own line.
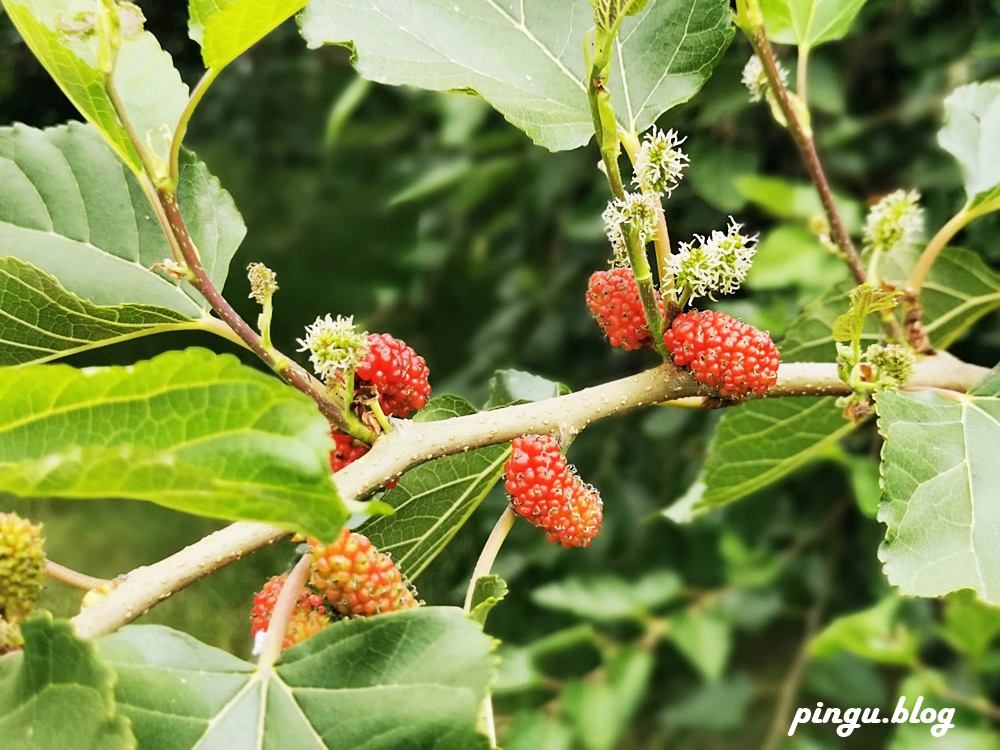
<point x="72" y="577"/>
<point x="289" y="371"/>
<point x="807" y="146"/>
<point x="415" y="442"/>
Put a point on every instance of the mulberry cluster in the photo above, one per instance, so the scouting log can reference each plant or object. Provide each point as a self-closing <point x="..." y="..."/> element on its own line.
<point x="732" y="357"/>
<point x="544" y="490"/>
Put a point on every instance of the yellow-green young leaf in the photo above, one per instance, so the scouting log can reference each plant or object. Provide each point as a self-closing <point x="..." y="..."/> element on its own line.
<point x="941" y="491"/>
<point x="228" y="28"/>
<point x="809" y="23"/>
<point x="526" y="58"/>
<point x="57" y="693"/>
<point x="972" y="135"/>
<point x="41" y="321"/>
<point x="69" y="208"/>
<point x="865" y="300"/>
<point x="488" y="592"/>
<point x="424" y="676"/>
<point x="189" y="430"/>
<point x="152" y="91"/>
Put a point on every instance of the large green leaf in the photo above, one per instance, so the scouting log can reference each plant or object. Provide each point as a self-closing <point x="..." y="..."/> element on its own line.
<point x="434" y="500"/>
<point x="412" y="679"/>
<point x="68" y="208"/>
<point x="941" y="491"/>
<point x="972" y="135"/>
<point x="228" y="28"/>
<point x="758" y="443"/>
<point x="41" y="321"/>
<point x="809" y="23"/>
<point x="525" y="57"/>
<point x="57" y="694"/>
<point x="152" y="91"/>
<point x="189" y="430"/>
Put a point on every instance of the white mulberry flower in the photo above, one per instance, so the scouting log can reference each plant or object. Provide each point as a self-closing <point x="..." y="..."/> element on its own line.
<point x="334" y="346"/>
<point x="755" y="78"/>
<point x="717" y="264"/>
<point x="660" y="163"/>
<point x="638" y="210"/>
<point x="895" y="220"/>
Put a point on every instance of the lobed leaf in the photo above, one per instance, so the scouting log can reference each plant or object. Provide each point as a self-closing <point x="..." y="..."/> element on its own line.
<point x="972" y="135"/>
<point x="809" y="23"/>
<point x="526" y="59"/>
<point x="68" y="208"/>
<point x="189" y="430"/>
<point x="410" y="679"/>
<point x="150" y="87"/>
<point x="57" y="693"/>
<point x="228" y="28"/>
<point x="940" y="501"/>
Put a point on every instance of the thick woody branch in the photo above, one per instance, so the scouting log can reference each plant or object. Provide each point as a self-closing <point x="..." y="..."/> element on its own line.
<point x="415" y="442"/>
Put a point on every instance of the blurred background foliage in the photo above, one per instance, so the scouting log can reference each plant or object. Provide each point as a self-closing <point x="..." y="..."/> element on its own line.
<point x="427" y="216"/>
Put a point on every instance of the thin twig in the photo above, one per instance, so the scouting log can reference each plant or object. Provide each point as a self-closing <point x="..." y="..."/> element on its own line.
<point x="282" y="613"/>
<point x="412" y="443"/>
<point x="807" y="146"/>
<point x="72" y="577"/>
<point x="489" y="554"/>
<point x="331" y="406"/>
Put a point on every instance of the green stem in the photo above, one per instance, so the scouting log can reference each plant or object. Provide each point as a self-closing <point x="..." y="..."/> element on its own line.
<point x="661" y="240"/>
<point x="802" y="74"/>
<point x="380" y="417"/>
<point x="178" y="137"/>
<point x="483" y="567"/>
<point x="72" y="577"/>
<point x="807" y="146"/>
<point x="938" y="243"/>
<point x="489" y="554"/>
<point x="606" y="130"/>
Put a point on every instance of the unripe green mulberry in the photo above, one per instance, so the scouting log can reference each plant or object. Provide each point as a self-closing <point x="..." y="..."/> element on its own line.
<point x="22" y="566"/>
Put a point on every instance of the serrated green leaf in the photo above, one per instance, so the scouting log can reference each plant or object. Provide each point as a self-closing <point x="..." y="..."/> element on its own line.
<point x="68" y="208"/>
<point x="57" y="693"/>
<point x="424" y="675"/>
<point x="972" y="135"/>
<point x="488" y="592"/>
<point x="41" y="321"/>
<point x="760" y="442"/>
<point x="189" y="430"/>
<point x="516" y="386"/>
<point x="228" y="28"/>
<point x="610" y="599"/>
<point x="873" y="634"/>
<point x="865" y="300"/>
<point x="941" y="492"/>
<point x="444" y="407"/>
<point x="809" y="23"/>
<point x="526" y="59"/>
<point x="434" y="500"/>
<point x="151" y="89"/>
